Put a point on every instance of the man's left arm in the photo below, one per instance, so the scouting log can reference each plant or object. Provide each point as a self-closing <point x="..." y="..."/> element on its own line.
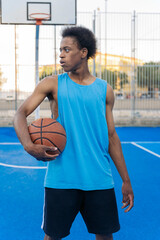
<point x="115" y="151"/>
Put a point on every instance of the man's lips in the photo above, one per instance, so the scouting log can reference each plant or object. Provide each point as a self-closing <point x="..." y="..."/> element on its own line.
<point x="62" y="63"/>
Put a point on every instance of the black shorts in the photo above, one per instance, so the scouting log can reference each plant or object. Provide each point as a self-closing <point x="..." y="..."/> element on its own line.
<point x="98" y="209"/>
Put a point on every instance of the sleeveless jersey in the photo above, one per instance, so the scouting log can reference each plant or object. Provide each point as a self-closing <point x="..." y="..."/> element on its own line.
<point x="85" y="162"/>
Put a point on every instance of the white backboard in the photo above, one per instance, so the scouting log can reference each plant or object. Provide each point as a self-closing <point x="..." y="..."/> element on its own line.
<point x="18" y="11"/>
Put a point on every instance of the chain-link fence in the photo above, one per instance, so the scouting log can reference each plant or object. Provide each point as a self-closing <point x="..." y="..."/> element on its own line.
<point x="128" y="47"/>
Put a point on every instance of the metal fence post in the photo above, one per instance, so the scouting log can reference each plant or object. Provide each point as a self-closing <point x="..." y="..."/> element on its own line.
<point x="99" y="64"/>
<point x="94" y="31"/>
<point x="105" y="40"/>
<point x="16" y="88"/>
<point x="133" y="70"/>
<point x="55" y="54"/>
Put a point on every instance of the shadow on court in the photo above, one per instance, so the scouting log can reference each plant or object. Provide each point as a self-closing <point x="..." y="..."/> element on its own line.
<point x="22" y="193"/>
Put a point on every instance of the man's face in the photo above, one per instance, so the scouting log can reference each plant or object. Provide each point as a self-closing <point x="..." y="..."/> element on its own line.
<point x="70" y="54"/>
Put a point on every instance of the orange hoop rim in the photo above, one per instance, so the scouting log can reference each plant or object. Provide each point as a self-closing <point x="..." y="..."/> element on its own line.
<point x="39" y="19"/>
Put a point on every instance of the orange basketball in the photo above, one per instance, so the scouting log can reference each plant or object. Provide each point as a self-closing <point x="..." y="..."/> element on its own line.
<point x="49" y="132"/>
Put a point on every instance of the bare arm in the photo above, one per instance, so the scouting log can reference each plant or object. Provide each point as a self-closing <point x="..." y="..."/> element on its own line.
<point x="115" y="151"/>
<point x="20" y="121"/>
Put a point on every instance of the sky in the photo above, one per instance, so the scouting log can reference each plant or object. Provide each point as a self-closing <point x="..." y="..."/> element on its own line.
<point x="119" y="5"/>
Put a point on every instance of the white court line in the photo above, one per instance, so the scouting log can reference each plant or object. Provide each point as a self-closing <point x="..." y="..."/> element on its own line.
<point x="145" y="149"/>
<point x="129" y="142"/>
<point x="32" y="167"/>
<point x="140" y="142"/>
<point x="16" y="166"/>
<point x="24" y="167"/>
<point x="10" y="143"/>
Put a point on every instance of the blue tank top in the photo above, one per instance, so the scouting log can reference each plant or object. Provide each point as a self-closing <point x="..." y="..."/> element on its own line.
<point x="85" y="163"/>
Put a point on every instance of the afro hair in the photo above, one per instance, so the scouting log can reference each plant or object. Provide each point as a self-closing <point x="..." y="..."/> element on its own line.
<point x="84" y="37"/>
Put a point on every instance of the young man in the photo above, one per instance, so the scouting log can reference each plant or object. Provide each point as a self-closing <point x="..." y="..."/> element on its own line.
<point x="79" y="179"/>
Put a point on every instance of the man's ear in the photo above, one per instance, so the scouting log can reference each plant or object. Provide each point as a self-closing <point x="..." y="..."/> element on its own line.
<point x="84" y="52"/>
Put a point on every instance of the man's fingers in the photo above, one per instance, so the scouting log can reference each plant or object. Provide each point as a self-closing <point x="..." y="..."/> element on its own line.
<point x="51" y="149"/>
<point x="125" y="204"/>
<point x="129" y="208"/>
<point x="125" y="198"/>
<point x="129" y="202"/>
<point x="50" y="156"/>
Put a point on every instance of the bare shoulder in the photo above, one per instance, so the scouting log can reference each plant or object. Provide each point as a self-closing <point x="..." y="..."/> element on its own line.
<point x="110" y="96"/>
<point x="50" y="80"/>
<point x="48" y="84"/>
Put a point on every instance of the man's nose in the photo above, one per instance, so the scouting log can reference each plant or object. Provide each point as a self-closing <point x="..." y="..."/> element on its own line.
<point x="61" y="54"/>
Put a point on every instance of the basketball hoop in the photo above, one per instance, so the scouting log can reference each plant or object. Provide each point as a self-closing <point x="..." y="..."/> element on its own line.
<point x="39" y="17"/>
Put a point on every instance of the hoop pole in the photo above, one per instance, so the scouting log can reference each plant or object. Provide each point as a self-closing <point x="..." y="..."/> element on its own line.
<point x="37" y="66"/>
<point x="55" y="57"/>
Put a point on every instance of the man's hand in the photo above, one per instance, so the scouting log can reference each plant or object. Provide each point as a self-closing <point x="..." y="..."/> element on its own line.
<point x="128" y="196"/>
<point x="42" y="152"/>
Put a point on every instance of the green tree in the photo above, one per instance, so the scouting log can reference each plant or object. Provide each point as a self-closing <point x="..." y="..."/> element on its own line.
<point x="148" y="76"/>
<point x="112" y="78"/>
<point x="45" y="71"/>
<point x="48" y="71"/>
<point x="123" y="79"/>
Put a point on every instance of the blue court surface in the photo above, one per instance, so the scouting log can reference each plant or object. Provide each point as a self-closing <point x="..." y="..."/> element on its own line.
<point x="22" y="193"/>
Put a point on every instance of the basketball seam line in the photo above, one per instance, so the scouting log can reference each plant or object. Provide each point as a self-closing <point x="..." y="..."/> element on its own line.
<point x="41" y="131"/>
<point x="44" y="125"/>
<point x="48" y="132"/>
<point x="49" y="141"/>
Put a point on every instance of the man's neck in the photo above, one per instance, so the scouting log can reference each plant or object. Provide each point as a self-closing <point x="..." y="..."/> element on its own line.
<point x="80" y="75"/>
<point x="83" y="79"/>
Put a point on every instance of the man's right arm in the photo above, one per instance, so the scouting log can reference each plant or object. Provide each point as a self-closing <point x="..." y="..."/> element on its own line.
<point x="20" y="121"/>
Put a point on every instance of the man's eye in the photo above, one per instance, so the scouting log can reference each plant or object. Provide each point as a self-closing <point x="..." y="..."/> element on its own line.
<point x="67" y="50"/>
